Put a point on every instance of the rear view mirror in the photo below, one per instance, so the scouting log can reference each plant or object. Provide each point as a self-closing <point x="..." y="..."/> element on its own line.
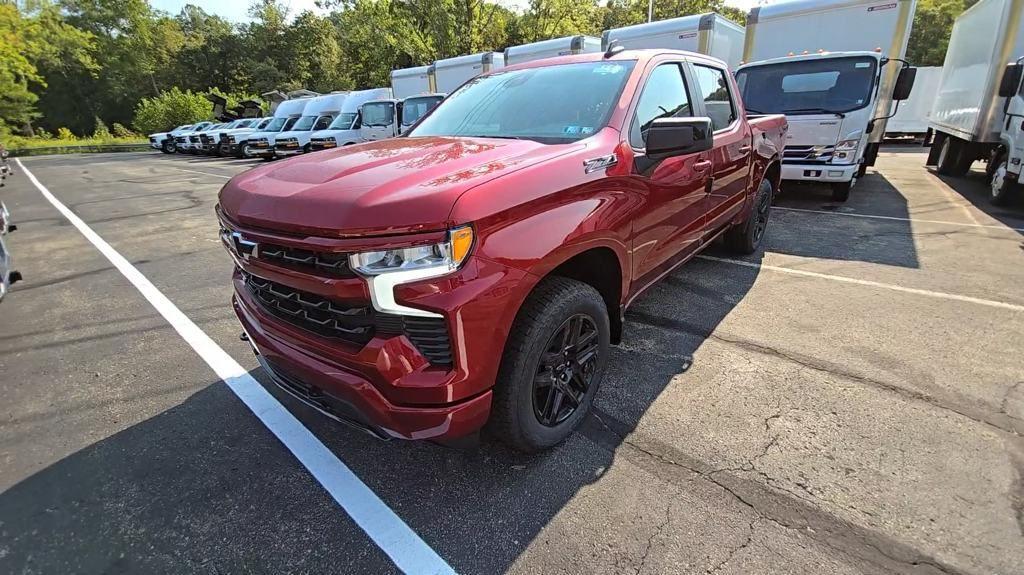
<point x="904" y="84"/>
<point x="669" y="137"/>
<point x="1011" y="79"/>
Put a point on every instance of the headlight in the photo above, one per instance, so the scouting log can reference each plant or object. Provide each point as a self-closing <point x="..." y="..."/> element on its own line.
<point x="845" y="151"/>
<point x="330" y="139"/>
<point x="386" y="269"/>
<point x="443" y="258"/>
<point x="848" y="144"/>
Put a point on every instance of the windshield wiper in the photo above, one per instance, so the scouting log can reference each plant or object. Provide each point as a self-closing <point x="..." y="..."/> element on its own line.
<point x="815" y="110"/>
<point x="492" y="136"/>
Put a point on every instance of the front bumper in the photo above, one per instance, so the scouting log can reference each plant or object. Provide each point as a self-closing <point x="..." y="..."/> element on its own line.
<point x="386" y="385"/>
<point x="819" y="172"/>
<point x="257" y="151"/>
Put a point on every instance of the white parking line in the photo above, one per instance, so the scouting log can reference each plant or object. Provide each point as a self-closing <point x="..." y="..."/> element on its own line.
<point x="410" y="553"/>
<point x="198" y="172"/>
<point x="974" y="225"/>
<point x="924" y="292"/>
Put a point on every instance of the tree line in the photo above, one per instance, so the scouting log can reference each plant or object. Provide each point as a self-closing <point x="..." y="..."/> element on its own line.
<point x="83" y="65"/>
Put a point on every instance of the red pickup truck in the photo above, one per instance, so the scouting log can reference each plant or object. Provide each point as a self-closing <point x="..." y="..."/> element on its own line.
<point x="475" y="271"/>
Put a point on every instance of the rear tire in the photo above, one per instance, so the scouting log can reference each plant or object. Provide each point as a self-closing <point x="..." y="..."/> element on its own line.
<point x="841" y="190"/>
<point x="745" y="238"/>
<point x="542" y="393"/>
<point x="953" y="157"/>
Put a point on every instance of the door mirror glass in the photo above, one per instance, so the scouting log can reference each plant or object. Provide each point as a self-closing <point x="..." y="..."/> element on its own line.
<point x="904" y="84"/>
<point x="1011" y="79"/>
<point x="669" y="137"/>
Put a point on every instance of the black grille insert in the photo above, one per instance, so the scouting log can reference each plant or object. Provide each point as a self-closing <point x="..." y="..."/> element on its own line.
<point x="333" y="264"/>
<point x="353" y="324"/>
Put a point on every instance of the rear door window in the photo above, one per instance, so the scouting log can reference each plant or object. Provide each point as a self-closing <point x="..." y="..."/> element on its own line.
<point x="714" y="91"/>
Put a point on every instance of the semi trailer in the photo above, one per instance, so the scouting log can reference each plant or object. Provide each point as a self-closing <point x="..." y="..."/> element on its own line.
<point x="711" y="34"/>
<point x="979" y="105"/>
<point x="834" y="68"/>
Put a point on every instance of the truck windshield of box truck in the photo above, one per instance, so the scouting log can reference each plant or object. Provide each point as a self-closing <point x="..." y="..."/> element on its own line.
<point x="378" y="114"/>
<point x="343" y="121"/>
<point x="834" y="86"/>
<point x="579" y="99"/>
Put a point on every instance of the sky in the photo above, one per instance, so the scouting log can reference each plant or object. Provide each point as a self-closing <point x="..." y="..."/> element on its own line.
<point x="237" y="10"/>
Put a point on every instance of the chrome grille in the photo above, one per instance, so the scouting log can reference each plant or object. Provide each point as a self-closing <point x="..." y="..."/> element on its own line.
<point x="807" y="154"/>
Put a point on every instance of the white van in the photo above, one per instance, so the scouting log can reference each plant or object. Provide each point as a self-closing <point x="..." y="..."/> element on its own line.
<point x="711" y="34"/>
<point x="344" y="130"/>
<point x="261" y="144"/>
<point x="318" y="115"/>
<point x="551" y="49"/>
<point x="451" y="73"/>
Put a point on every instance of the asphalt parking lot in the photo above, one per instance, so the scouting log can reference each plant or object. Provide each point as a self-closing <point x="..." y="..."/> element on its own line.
<point x="848" y="400"/>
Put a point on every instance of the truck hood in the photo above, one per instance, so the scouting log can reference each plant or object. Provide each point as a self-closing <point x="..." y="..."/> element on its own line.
<point x="292" y="134"/>
<point x="160" y="134"/>
<point x="392" y="186"/>
<point x="817" y="130"/>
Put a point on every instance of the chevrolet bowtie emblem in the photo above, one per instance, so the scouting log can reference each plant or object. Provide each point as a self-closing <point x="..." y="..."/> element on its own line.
<point x="243" y="247"/>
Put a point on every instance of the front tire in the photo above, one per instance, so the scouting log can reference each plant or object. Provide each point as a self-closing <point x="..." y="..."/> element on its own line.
<point x="746" y="237"/>
<point x="167" y="147"/>
<point x="552" y="367"/>
<point x="1002" y="185"/>
<point x="841" y="190"/>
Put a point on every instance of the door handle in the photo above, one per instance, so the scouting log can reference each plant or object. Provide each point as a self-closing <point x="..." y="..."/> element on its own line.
<point x="744" y="148"/>
<point x="702" y="165"/>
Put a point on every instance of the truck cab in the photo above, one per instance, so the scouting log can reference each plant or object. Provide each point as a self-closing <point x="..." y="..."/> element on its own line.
<point x="318" y="114"/>
<point x="389" y="118"/>
<point x="345" y="129"/>
<point x="261" y="144"/>
<point x="183" y="139"/>
<point x="829" y="100"/>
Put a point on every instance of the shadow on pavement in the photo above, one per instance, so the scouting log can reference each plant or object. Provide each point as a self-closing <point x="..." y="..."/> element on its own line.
<point x="974" y="187"/>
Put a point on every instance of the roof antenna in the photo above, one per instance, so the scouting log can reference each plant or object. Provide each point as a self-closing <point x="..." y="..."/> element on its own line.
<point x="614" y="47"/>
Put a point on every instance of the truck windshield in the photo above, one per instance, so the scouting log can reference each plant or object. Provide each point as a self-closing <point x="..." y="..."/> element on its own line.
<point x="551" y="104"/>
<point x="415" y="108"/>
<point x="304" y="123"/>
<point x="378" y="114"/>
<point x="825" y="86"/>
<point x="275" y="124"/>
<point x="289" y="124"/>
<point x="343" y="122"/>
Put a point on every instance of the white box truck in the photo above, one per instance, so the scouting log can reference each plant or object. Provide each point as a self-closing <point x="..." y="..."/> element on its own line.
<point x="551" y="48"/>
<point x="318" y="114"/>
<point x="834" y="68"/>
<point x="412" y="81"/>
<point x="911" y="117"/>
<point x="711" y="34"/>
<point x="391" y="117"/>
<point x="979" y="106"/>
<point x="451" y="73"/>
<point x="344" y="130"/>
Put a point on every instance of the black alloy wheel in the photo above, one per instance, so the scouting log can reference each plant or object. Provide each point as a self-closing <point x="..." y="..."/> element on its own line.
<point x="566" y="370"/>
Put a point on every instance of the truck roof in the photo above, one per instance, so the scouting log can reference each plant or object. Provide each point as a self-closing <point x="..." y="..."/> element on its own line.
<point x="623" y="56"/>
<point x="814" y="56"/>
<point x="577" y="43"/>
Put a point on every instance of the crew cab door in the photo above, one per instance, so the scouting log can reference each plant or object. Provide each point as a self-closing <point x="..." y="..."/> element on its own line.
<point x="716" y="96"/>
<point x="670" y="225"/>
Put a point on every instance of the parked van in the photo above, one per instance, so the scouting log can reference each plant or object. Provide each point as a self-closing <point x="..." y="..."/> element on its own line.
<point x="286" y="114"/>
<point x="389" y="118"/>
<point x="711" y="34"/>
<point x="551" y="48"/>
<point x="979" y="103"/>
<point x="344" y="130"/>
<point x="317" y="115"/>
<point x="451" y="73"/>
<point x="834" y="68"/>
<point x="412" y="81"/>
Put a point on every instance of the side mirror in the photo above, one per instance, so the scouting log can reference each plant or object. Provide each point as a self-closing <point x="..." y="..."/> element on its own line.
<point x="1011" y="80"/>
<point x="904" y="84"/>
<point x="669" y="137"/>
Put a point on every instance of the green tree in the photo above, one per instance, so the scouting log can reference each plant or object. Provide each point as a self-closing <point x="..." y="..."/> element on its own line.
<point x="933" y="23"/>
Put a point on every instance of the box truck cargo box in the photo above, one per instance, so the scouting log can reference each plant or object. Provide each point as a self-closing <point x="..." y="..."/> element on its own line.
<point x="551" y="49"/>
<point x="911" y="118"/>
<point x="451" y="73"/>
<point x="711" y="34"/>
<point x="412" y="81"/>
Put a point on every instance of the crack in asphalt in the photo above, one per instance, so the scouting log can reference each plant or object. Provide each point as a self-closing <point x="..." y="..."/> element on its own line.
<point x="650" y="540"/>
<point x="843" y="527"/>
<point x="735" y="550"/>
<point x="1015" y="427"/>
